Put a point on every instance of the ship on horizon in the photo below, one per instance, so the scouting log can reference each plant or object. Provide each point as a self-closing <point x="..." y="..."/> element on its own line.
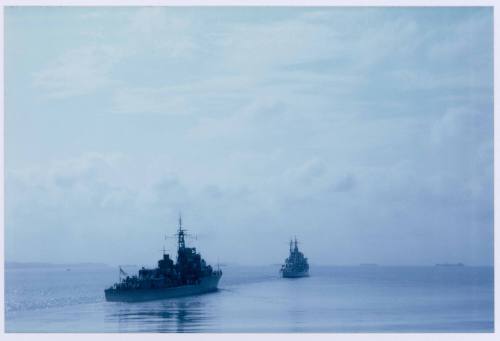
<point x="450" y="265"/>
<point x="190" y="275"/>
<point x="296" y="264"/>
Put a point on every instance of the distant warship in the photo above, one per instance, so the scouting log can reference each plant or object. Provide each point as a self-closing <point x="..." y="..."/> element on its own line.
<point x="190" y="275"/>
<point x="296" y="264"/>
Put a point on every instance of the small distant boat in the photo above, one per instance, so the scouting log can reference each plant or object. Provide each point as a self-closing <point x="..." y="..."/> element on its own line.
<point x="296" y="264"/>
<point x="450" y="264"/>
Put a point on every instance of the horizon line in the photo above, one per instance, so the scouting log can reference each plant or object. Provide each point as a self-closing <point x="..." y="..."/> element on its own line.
<point x="40" y="264"/>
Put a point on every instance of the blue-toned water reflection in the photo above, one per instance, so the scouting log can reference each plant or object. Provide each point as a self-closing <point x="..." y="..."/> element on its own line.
<point x="256" y="299"/>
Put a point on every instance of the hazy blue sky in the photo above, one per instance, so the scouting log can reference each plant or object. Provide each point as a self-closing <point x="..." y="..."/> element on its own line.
<point x="368" y="133"/>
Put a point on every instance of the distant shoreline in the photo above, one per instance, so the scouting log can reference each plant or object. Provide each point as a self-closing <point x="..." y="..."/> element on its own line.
<point x="40" y="265"/>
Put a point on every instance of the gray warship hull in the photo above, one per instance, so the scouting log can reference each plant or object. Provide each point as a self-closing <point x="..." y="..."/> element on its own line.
<point x="293" y="274"/>
<point x="206" y="285"/>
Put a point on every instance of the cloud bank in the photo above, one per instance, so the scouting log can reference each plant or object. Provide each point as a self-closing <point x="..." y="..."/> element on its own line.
<point x="368" y="133"/>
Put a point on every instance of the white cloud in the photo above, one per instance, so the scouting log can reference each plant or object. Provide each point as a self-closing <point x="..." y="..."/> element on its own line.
<point x="157" y="30"/>
<point x="164" y="101"/>
<point x="460" y="39"/>
<point x="78" y="72"/>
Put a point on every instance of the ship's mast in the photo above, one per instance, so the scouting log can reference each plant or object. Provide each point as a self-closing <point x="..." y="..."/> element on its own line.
<point x="180" y="235"/>
<point x="291" y="244"/>
<point x="296" y="248"/>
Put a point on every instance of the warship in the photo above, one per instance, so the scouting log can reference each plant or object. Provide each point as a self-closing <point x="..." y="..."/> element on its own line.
<point x="190" y="275"/>
<point x="296" y="264"/>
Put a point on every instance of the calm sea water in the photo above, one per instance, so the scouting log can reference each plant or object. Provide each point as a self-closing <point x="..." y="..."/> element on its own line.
<point x="256" y="299"/>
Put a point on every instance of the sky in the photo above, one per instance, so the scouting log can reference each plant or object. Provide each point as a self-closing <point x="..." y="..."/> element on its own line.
<point x="365" y="132"/>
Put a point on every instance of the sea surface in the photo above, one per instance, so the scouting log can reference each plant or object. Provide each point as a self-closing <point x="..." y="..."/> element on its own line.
<point x="255" y="299"/>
